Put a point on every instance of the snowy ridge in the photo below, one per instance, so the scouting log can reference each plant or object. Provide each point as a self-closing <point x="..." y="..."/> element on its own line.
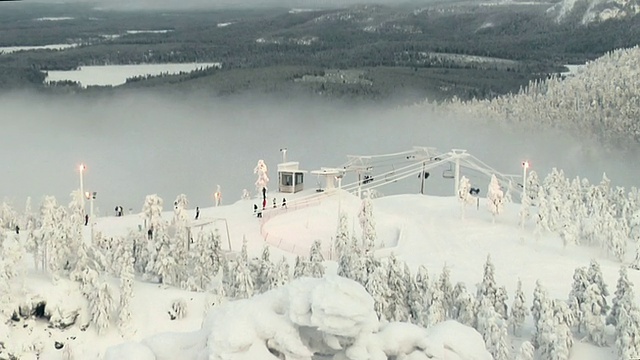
<point x="600" y="102"/>
<point x="589" y="11"/>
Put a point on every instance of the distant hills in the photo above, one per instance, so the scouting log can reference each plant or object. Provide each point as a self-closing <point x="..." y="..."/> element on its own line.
<point x="590" y="11"/>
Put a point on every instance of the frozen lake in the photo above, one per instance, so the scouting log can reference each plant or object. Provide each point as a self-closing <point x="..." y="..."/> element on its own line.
<point x="12" y="49"/>
<point x="114" y="75"/>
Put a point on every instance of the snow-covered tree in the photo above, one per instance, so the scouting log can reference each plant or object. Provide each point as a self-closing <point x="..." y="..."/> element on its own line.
<point x="464" y="306"/>
<point x="242" y="281"/>
<point x="436" y="312"/>
<point x="595" y="277"/>
<point x="266" y="272"/>
<point x="592" y="309"/>
<point x="263" y="178"/>
<point x="152" y="210"/>
<point x="316" y="266"/>
<point x="367" y="223"/>
<point x="623" y="287"/>
<point x="526" y="351"/>
<point x="464" y="195"/>
<point x="281" y="273"/>
<point x="628" y="328"/>
<point x="398" y="280"/>
<point x="377" y="286"/>
<point x="519" y="310"/>
<point x="493" y="330"/>
<point x="301" y="266"/>
<point x="495" y="197"/>
<point x="444" y="283"/>
<point x="180" y="216"/>
<point x="341" y="242"/>
<point x="540" y="300"/>
<point x="101" y="305"/>
<point x="127" y="276"/>
<point x="419" y="296"/>
<point x="487" y="288"/>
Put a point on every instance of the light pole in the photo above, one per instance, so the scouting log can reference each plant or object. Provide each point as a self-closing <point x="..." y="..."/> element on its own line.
<point x="91" y="196"/>
<point x="284" y="155"/>
<point x="82" y="167"/>
<point x="525" y="167"/>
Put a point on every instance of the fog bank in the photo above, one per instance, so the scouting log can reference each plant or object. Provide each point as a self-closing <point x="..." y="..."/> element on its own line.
<point x="139" y="144"/>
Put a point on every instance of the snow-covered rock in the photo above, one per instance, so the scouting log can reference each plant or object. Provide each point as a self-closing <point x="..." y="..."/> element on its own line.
<point x="332" y="316"/>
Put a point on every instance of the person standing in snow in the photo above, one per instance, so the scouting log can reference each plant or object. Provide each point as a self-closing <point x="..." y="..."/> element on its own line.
<point x="284" y="203"/>
<point x="86" y="220"/>
<point x="255" y="208"/>
<point x="197" y="212"/>
<point x="274" y="203"/>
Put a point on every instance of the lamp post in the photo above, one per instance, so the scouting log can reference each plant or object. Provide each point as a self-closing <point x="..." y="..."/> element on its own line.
<point x="82" y="167"/>
<point x="525" y="167"/>
<point x="91" y="196"/>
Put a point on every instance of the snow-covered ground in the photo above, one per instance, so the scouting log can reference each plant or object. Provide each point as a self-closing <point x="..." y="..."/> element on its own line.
<point x="12" y="49"/>
<point x="134" y="32"/>
<point x="114" y="75"/>
<point x="419" y="229"/>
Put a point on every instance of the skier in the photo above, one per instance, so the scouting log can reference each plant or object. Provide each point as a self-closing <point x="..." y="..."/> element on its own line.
<point x="284" y="203"/>
<point x="197" y="212"/>
<point x="17" y="229"/>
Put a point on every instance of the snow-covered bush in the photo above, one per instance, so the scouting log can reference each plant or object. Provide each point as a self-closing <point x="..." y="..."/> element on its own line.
<point x="178" y="309"/>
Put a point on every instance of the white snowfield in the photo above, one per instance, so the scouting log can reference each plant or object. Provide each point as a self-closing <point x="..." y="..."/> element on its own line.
<point x="114" y="75"/>
<point x="332" y="316"/>
<point x="418" y="229"/>
<point x="13" y="49"/>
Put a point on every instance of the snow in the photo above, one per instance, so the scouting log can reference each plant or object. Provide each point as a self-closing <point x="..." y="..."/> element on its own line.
<point x="114" y="75"/>
<point x="12" y="49"/>
<point x="225" y="24"/>
<point x="135" y="32"/>
<point x="59" y="18"/>
<point x="432" y="234"/>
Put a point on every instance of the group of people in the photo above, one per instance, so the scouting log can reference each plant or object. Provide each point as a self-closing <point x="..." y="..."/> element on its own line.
<point x="119" y="210"/>
<point x="258" y="211"/>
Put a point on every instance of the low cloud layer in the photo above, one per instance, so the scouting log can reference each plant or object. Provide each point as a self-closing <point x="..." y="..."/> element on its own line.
<point x="136" y="144"/>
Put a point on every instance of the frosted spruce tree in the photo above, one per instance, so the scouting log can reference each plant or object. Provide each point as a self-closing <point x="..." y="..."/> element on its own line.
<point x="627" y="332"/>
<point x="377" y="286"/>
<point x="367" y="223"/>
<point x="341" y="243"/>
<point x="436" y="311"/>
<point x="634" y="233"/>
<point x="444" y="283"/>
<point x="265" y="279"/>
<point x="464" y="195"/>
<point x="464" y="306"/>
<point x="281" y="274"/>
<point x="101" y="306"/>
<point x="420" y="296"/>
<point x="398" y="280"/>
<point x="519" y="310"/>
<point x="495" y="198"/>
<point x="127" y="276"/>
<point x="316" y="259"/>
<point x="51" y="232"/>
<point x="263" y="178"/>
<point x="526" y="351"/>
<point x="540" y="300"/>
<point x="301" y="267"/>
<point x="487" y="288"/>
<point x="592" y="309"/>
<point x="595" y="277"/>
<point x="493" y="330"/>
<point x="577" y="294"/>
<point x="623" y="287"/>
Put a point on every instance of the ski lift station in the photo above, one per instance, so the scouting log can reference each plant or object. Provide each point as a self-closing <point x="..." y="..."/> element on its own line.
<point x="290" y="177"/>
<point x="368" y="172"/>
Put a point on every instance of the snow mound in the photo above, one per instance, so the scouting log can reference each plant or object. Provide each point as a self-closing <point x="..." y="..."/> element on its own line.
<point x="332" y="317"/>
